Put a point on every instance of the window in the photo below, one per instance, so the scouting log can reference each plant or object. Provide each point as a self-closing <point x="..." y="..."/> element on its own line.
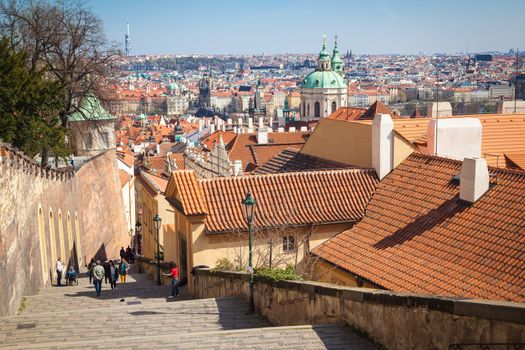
<point x="288" y="243"/>
<point x="308" y="109"/>
<point x="105" y="139"/>
<point x="88" y="141"/>
<point x="317" y="110"/>
<point x="334" y="106"/>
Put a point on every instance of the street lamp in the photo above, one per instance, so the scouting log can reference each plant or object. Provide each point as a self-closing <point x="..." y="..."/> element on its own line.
<point x="248" y="207"/>
<point x="138" y="228"/>
<point x="157" y="221"/>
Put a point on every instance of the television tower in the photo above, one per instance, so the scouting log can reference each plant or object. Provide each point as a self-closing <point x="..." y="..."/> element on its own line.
<point x="127" y="41"/>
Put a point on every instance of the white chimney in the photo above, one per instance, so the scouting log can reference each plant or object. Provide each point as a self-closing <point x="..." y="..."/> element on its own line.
<point x="250" y="130"/>
<point x="229" y="121"/>
<point x="158" y="148"/>
<point x="261" y="122"/>
<point x="382" y="145"/>
<point x="250" y="123"/>
<point x="235" y="130"/>
<point x="456" y="138"/>
<point x="439" y="109"/>
<point x="237" y="167"/>
<point x="201" y="124"/>
<point x="474" y="179"/>
<point x="281" y="129"/>
<point x="270" y="123"/>
<point x="292" y="129"/>
<point x="304" y="129"/>
<point x="262" y="137"/>
<point x="239" y="122"/>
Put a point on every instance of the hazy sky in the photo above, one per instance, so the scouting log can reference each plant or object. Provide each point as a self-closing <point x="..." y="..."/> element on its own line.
<point x="297" y="26"/>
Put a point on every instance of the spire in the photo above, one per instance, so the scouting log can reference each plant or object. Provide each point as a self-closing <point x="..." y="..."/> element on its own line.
<point x="323" y="63"/>
<point x="337" y="62"/>
<point x="323" y="54"/>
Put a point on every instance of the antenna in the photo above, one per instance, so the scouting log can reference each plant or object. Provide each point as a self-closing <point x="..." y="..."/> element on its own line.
<point x="127" y="40"/>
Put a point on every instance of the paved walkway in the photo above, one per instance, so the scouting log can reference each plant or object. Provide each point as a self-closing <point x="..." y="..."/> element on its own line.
<point x="138" y="315"/>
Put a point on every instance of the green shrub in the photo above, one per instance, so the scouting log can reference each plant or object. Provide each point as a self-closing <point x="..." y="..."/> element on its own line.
<point x="224" y="264"/>
<point x="274" y="275"/>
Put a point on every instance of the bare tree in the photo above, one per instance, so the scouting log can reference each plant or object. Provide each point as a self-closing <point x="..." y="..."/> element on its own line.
<point x="65" y="40"/>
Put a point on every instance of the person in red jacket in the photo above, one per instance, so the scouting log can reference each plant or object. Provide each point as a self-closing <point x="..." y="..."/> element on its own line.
<point x="175" y="279"/>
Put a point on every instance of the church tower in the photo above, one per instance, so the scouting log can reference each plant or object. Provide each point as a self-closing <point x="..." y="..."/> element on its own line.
<point x="337" y="62"/>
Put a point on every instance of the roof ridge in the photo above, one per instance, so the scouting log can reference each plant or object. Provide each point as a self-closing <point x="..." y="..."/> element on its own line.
<point x="291" y="173"/>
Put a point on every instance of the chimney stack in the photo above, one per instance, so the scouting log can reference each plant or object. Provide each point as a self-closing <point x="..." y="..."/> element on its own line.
<point x="262" y="137"/>
<point x="474" y="179"/>
<point x="382" y="145"/>
<point x="456" y="138"/>
<point x="237" y="168"/>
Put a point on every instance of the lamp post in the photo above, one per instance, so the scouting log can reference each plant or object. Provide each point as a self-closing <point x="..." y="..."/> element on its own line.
<point x="138" y="228"/>
<point x="157" y="221"/>
<point x="248" y="206"/>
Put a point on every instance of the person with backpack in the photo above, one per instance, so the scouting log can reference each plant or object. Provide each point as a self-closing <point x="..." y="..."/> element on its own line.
<point x="98" y="275"/>
<point x="123" y="270"/>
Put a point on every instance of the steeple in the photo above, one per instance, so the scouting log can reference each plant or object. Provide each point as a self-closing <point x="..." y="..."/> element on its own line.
<point x="337" y="62"/>
<point x="323" y="63"/>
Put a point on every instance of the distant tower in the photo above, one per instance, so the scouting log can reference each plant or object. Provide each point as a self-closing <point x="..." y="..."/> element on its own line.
<point x="127" y="41"/>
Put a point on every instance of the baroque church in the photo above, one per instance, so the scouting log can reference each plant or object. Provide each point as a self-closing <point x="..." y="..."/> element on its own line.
<point x="325" y="89"/>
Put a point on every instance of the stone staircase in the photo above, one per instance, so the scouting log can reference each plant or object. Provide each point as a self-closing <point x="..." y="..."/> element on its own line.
<point x="137" y="315"/>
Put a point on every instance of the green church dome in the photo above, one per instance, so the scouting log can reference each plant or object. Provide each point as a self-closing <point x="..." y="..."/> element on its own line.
<point x="324" y="80"/>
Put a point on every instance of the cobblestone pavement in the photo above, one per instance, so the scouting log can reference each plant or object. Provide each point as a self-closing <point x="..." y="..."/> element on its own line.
<point x="138" y="315"/>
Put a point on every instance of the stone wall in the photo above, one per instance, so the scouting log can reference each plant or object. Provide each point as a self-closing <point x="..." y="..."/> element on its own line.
<point x="395" y="320"/>
<point x="46" y="214"/>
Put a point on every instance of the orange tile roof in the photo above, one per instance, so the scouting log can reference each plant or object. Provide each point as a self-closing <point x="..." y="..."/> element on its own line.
<point x="515" y="160"/>
<point x="185" y="194"/>
<point x="124" y="177"/>
<point x="211" y="140"/>
<point x="179" y="160"/>
<point x="347" y="113"/>
<point x="501" y="134"/>
<point x="300" y="198"/>
<point x="418" y="237"/>
<point x="241" y="150"/>
<point x="292" y="160"/>
<point x="377" y="107"/>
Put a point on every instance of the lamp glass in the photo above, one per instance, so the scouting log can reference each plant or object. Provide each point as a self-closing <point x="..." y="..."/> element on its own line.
<point x="157" y="220"/>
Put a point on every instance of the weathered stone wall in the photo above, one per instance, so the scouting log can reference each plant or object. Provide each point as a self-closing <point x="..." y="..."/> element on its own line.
<point x="68" y="212"/>
<point x="395" y="320"/>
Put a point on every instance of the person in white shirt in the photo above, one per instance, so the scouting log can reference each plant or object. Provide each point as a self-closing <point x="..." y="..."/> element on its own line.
<point x="60" y="267"/>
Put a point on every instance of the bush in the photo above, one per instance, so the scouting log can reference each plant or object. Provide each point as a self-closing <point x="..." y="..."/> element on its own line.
<point x="223" y="264"/>
<point x="275" y="275"/>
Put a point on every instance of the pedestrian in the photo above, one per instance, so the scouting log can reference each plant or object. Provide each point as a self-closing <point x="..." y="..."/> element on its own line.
<point x="123" y="270"/>
<point x="113" y="274"/>
<point x="122" y="253"/>
<point x="175" y="279"/>
<point x="71" y="276"/>
<point x="98" y="275"/>
<point x="106" y="271"/>
<point x="90" y="269"/>
<point x="128" y="253"/>
<point x="132" y="257"/>
<point x="60" y="267"/>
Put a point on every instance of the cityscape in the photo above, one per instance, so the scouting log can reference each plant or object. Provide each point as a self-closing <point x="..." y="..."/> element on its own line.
<point x="238" y="176"/>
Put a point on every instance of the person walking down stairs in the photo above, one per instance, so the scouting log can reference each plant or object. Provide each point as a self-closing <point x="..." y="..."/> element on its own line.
<point x="60" y="268"/>
<point x="123" y="270"/>
<point x="98" y="275"/>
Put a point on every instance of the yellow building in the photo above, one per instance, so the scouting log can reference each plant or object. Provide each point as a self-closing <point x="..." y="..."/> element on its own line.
<point x="295" y="212"/>
<point x="150" y="197"/>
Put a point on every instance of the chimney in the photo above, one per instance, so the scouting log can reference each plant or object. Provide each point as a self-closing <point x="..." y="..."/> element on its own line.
<point x="261" y="122"/>
<point x="382" y="145"/>
<point x="201" y="123"/>
<point x="304" y="129"/>
<point x="474" y="179"/>
<point x="292" y="129"/>
<point x="456" y="138"/>
<point x="262" y="137"/>
<point x="280" y="129"/>
<point x="229" y="121"/>
<point x="250" y="123"/>
<point x="239" y="122"/>
<point x="237" y="168"/>
<point x="235" y="130"/>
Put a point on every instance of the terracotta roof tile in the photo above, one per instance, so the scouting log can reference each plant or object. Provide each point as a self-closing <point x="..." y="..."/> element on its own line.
<point x="289" y="198"/>
<point x="292" y="160"/>
<point x="184" y="192"/>
<point x="347" y="113"/>
<point x="417" y="236"/>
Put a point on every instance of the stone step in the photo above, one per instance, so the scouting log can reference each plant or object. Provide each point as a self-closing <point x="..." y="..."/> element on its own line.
<point x="293" y="338"/>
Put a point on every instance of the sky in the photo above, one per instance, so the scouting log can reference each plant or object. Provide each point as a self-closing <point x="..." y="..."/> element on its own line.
<point x="297" y="26"/>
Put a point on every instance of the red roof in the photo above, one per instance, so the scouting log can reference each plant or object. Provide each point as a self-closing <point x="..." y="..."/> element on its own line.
<point x="417" y="236"/>
<point x="301" y="198"/>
